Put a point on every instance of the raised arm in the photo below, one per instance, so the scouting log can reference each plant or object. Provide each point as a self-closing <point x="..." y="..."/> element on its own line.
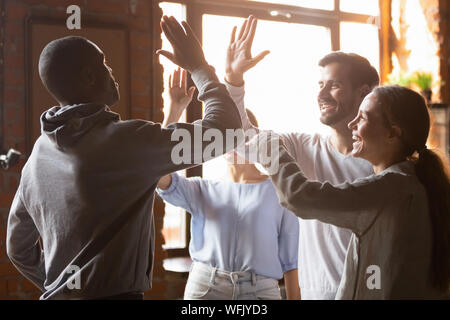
<point x="238" y="61"/>
<point x="350" y="205"/>
<point x="22" y="243"/>
<point x="160" y="144"/>
<point x="188" y="54"/>
<point x="239" y="53"/>
<point x="180" y="97"/>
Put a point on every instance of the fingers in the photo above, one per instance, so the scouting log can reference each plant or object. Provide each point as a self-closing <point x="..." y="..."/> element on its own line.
<point x="167" y="31"/>
<point x="189" y="31"/>
<point x="247" y="27"/>
<point x="170" y="82"/>
<point x="252" y="31"/>
<point x="241" y="31"/>
<point x="173" y="31"/>
<point x="191" y="93"/>
<point x="167" y="54"/>
<point x="233" y="34"/>
<point x="259" y="57"/>
<point x="175" y="27"/>
<point x="176" y="78"/>
<point x="184" y="81"/>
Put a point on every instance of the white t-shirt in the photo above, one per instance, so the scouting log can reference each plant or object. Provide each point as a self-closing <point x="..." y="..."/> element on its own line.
<point x="322" y="247"/>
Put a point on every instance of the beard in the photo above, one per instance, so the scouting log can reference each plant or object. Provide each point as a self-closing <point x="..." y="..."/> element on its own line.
<point x="341" y="112"/>
<point x="333" y="118"/>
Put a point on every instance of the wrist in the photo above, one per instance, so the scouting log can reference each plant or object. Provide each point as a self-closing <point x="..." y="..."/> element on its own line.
<point x="235" y="79"/>
<point x="173" y="116"/>
<point x="201" y="65"/>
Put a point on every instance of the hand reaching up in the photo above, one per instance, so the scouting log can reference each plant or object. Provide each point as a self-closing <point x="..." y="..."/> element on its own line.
<point x="180" y="96"/>
<point x="187" y="51"/>
<point x="239" y="56"/>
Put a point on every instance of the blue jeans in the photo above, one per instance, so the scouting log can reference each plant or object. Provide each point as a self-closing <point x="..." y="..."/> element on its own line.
<point x="208" y="283"/>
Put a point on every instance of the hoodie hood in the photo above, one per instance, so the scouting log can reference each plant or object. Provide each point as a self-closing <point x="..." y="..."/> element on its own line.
<point x="66" y="125"/>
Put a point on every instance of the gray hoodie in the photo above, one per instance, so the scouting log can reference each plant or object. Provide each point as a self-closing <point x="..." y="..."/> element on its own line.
<point x="81" y="223"/>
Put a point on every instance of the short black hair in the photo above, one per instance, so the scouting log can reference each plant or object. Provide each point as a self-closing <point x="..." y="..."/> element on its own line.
<point x="60" y="63"/>
<point x="361" y="71"/>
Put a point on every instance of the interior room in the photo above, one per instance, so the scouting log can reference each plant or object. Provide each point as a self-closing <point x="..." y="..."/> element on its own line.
<point x="406" y="41"/>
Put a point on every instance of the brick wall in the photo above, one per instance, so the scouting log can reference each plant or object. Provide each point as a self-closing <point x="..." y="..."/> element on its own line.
<point x="142" y="17"/>
<point x="444" y="14"/>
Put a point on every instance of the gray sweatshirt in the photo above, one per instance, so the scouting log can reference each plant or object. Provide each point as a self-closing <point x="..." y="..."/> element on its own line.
<point x="390" y="251"/>
<point x="87" y="191"/>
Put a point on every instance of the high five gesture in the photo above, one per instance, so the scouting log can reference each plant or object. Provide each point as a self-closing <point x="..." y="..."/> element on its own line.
<point x="239" y="57"/>
<point x="187" y="51"/>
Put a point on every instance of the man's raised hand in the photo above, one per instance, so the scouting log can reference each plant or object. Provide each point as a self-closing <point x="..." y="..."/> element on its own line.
<point x="187" y="51"/>
<point x="239" y="55"/>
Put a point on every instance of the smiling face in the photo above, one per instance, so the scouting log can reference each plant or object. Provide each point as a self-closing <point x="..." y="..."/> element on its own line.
<point x="338" y="100"/>
<point x="372" y="135"/>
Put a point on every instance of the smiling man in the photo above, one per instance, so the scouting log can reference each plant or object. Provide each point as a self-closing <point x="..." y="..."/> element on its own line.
<point x="346" y="78"/>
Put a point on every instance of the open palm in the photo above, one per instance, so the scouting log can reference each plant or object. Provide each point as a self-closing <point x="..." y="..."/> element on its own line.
<point x="239" y="57"/>
<point x="180" y="95"/>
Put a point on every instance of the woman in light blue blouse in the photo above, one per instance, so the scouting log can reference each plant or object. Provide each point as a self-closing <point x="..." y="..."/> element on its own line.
<point x="242" y="240"/>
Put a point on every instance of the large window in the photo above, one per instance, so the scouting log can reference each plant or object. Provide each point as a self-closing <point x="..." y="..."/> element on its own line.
<point x="174" y="225"/>
<point x="281" y="90"/>
<point x="315" y="4"/>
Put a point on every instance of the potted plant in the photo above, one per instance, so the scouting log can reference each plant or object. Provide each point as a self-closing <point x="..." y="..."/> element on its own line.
<point x="424" y="80"/>
<point x="400" y="78"/>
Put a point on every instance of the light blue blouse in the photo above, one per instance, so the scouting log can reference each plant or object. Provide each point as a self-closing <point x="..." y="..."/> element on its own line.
<point x="237" y="227"/>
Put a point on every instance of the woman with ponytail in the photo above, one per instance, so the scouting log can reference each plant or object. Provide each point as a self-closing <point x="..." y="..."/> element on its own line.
<point x="408" y="108"/>
<point x="400" y="216"/>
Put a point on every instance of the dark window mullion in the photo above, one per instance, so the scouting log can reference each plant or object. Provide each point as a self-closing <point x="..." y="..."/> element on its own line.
<point x="336" y="36"/>
<point x="265" y="15"/>
<point x="194" y="111"/>
<point x="244" y="9"/>
<point x="242" y="5"/>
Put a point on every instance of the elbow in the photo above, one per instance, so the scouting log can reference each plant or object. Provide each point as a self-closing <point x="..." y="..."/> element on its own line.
<point x="15" y="254"/>
<point x="288" y="203"/>
<point x="12" y="252"/>
<point x="296" y="206"/>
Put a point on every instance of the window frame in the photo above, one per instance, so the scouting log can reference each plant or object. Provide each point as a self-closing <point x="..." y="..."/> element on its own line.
<point x="195" y="9"/>
<point x="2" y="74"/>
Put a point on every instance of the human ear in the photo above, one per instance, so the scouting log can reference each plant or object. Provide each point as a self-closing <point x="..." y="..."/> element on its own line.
<point x="87" y="76"/>
<point x="395" y="132"/>
<point x="364" y="90"/>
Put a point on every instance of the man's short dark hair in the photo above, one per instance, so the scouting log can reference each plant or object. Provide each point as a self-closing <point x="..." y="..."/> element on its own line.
<point x="361" y="71"/>
<point x="61" y="61"/>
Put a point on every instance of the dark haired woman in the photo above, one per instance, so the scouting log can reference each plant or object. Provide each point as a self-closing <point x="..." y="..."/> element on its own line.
<point x="399" y="216"/>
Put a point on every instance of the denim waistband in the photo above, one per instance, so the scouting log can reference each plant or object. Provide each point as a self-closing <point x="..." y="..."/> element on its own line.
<point x="233" y="276"/>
